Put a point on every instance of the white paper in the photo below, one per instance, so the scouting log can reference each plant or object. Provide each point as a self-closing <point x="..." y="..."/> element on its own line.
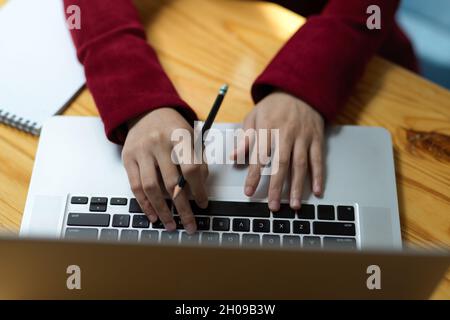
<point x="39" y="70"/>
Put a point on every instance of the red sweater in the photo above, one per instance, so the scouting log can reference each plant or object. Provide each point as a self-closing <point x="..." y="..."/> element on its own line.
<point x="320" y="64"/>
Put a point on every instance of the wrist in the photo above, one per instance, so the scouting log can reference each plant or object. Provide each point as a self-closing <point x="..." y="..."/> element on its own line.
<point x="130" y="123"/>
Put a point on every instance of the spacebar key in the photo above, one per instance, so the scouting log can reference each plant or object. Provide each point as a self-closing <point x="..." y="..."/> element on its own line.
<point x="334" y="229"/>
<point x="88" y="220"/>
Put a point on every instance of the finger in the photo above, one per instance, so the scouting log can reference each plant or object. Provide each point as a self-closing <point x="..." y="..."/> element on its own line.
<point x="184" y="210"/>
<point x="259" y="157"/>
<point x="153" y="192"/>
<point x="193" y="168"/>
<point x="254" y="173"/>
<point x="316" y="162"/>
<point x="170" y="177"/>
<point x="280" y="168"/>
<point x="244" y="146"/>
<point x="195" y="175"/>
<point x="299" y="168"/>
<point x="252" y="180"/>
<point x="134" y="178"/>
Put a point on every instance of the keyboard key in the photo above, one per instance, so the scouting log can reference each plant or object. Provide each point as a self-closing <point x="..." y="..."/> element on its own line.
<point x="291" y="241"/>
<point x="242" y="225"/>
<point x="230" y="239"/>
<point x="129" y="235"/>
<point x="196" y="210"/>
<point x="346" y="213"/>
<point x="178" y="222"/>
<point x="79" y="200"/>
<point x="232" y="209"/>
<point x="306" y="212"/>
<point x="99" y="200"/>
<point x="334" y="228"/>
<point x="88" y="220"/>
<point x="302" y="227"/>
<point x="81" y="234"/>
<point x="121" y="221"/>
<point x="261" y="225"/>
<point x="158" y="225"/>
<point x="149" y="236"/>
<point x="311" y="242"/>
<point x="97" y="207"/>
<point x="285" y="212"/>
<point x="118" y="201"/>
<point x="271" y="240"/>
<point x="140" y="221"/>
<point x="339" y="243"/>
<point x="210" y="238"/>
<point x="169" y="237"/>
<point x="325" y="212"/>
<point x="281" y="226"/>
<point x="221" y="224"/>
<point x="190" y="238"/>
<point x="250" y="240"/>
<point x="134" y="207"/>
<point x="109" y="235"/>
<point x="170" y="206"/>
<point x="202" y="223"/>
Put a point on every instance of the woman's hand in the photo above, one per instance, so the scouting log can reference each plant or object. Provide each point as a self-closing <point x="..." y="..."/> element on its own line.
<point x="301" y="132"/>
<point x="147" y="158"/>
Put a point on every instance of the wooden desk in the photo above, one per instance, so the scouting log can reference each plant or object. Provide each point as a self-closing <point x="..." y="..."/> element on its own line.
<point x="182" y="32"/>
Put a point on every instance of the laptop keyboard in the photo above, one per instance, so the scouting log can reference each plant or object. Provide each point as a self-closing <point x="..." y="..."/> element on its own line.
<point x="222" y="223"/>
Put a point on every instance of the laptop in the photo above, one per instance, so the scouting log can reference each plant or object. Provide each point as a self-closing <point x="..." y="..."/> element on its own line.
<point x="80" y="212"/>
<point x="49" y="269"/>
<point x="79" y="190"/>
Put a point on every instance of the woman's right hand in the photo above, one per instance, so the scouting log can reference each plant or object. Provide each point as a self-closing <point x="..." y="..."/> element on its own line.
<point x="147" y="158"/>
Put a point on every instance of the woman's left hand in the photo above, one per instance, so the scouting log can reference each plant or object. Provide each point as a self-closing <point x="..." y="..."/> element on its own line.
<point x="301" y="140"/>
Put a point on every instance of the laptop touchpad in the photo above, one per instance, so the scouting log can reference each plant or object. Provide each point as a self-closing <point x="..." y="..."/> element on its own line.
<point x="47" y="216"/>
<point x="376" y="228"/>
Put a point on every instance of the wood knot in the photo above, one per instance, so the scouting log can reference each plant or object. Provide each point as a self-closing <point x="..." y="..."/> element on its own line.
<point x="435" y="144"/>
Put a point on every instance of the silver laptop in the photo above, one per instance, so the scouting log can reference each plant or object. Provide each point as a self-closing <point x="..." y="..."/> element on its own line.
<point x="42" y="269"/>
<point x="79" y="190"/>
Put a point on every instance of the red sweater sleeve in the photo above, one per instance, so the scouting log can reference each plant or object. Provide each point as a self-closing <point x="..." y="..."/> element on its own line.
<point x="122" y="70"/>
<point x="323" y="61"/>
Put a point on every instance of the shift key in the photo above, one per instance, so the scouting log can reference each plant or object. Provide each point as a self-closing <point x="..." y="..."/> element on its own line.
<point x="334" y="228"/>
<point x="88" y="220"/>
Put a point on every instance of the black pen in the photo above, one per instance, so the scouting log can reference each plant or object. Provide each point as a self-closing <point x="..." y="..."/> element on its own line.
<point x="207" y="125"/>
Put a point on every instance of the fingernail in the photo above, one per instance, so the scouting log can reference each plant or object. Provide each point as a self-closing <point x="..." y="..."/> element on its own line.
<point x="204" y="204"/>
<point x="171" y="226"/>
<point x="153" y="219"/>
<point x="317" y="190"/>
<point x="295" y="203"/>
<point x="191" y="228"/>
<point x="274" y="205"/>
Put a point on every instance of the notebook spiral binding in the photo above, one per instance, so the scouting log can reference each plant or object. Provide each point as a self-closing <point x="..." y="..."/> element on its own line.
<point x="20" y="123"/>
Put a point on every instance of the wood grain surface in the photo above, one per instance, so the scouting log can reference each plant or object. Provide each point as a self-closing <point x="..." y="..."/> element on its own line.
<point x="204" y="43"/>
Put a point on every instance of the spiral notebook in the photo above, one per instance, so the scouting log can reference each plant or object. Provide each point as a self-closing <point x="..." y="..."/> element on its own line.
<point x="39" y="70"/>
